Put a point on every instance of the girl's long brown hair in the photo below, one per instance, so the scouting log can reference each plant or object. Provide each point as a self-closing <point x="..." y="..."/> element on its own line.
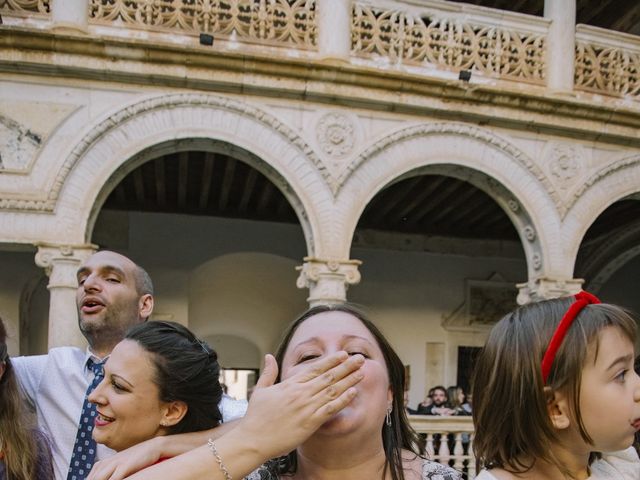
<point x="17" y="442"/>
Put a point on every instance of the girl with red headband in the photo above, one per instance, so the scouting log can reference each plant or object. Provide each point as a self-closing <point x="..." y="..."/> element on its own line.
<point x="554" y="388"/>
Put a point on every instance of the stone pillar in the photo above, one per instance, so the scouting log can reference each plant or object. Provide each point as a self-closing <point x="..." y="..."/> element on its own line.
<point x="334" y="28"/>
<point x="543" y="288"/>
<point x="70" y="15"/>
<point x="61" y="264"/>
<point x="561" y="44"/>
<point x="327" y="280"/>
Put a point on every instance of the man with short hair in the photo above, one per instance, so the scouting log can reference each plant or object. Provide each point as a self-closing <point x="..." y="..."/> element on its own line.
<point x="439" y="403"/>
<point x="113" y="294"/>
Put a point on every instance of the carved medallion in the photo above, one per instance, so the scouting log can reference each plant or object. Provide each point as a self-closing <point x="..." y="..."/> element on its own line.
<point x="563" y="164"/>
<point x="336" y="134"/>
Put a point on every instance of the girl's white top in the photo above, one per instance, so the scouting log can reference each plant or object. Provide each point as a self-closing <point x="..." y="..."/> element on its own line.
<point x="622" y="465"/>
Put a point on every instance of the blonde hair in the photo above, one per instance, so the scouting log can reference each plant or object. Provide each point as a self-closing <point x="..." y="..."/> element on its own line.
<point x="508" y="379"/>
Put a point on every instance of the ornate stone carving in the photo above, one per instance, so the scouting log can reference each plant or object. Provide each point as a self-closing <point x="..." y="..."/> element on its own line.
<point x="26" y="6"/>
<point x="61" y="262"/>
<point x="279" y="22"/>
<point x="536" y="261"/>
<point x="607" y="69"/>
<point x="486" y="301"/>
<point x="327" y="280"/>
<point x="462" y="130"/>
<point x="529" y="233"/>
<point x="562" y="161"/>
<point x="543" y="288"/>
<point x="336" y="134"/>
<point x="167" y="103"/>
<point x="422" y="39"/>
<point x="20" y="144"/>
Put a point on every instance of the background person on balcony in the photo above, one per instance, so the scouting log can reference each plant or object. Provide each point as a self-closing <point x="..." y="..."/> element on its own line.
<point x="458" y="401"/>
<point x="425" y="403"/>
<point x="543" y="408"/>
<point x="438" y="406"/>
<point x="24" y="451"/>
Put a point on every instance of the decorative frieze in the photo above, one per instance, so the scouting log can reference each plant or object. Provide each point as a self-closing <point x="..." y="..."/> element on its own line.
<point x="336" y="134"/>
<point x="280" y="22"/>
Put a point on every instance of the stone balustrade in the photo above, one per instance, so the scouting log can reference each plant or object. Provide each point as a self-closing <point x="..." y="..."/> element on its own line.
<point x="431" y="38"/>
<point x="607" y="62"/>
<point x="457" y="450"/>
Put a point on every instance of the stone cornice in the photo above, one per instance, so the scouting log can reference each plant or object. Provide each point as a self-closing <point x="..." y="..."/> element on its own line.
<point x="132" y="61"/>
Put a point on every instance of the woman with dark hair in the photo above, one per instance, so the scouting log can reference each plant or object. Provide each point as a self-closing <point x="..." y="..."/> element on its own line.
<point x="371" y="438"/>
<point x="355" y="427"/>
<point x="24" y="451"/>
<point x="159" y="380"/>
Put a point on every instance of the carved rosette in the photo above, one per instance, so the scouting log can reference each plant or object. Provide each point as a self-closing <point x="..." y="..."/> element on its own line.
<point x="327" y="280"/>
<point x="563" y="162"/>
<point x="544" y="288"/>
<point x="61" y="262"/>
<point x="336" y="134"/>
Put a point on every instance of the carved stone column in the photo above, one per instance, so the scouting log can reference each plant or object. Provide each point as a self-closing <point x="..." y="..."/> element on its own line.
<point x="327" y="280"/>
<point x="561" y="43"/>
<point x="61" y="264"/>
<point x="543" y="288"/>
<point x="334" y="28"/>
<point x="70" y="14"/>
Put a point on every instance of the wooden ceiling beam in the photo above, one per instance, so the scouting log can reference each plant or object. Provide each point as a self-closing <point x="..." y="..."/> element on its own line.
<point x="161" y="186"/>
<point x="227" y="183"/>
<point x="456" y="203"/>
<point x="391" y="203"/>
<point x="265" y="197"/>
<point x="247" y="191"/>
<point x="138" y="186"/>
<point x="413" y="218"/>
<point x="183" y="172"/>
<point x="205" y="181"/>
<point x="419" y="200"/>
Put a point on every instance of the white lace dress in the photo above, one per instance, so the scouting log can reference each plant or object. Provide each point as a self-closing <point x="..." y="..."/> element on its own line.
<point x="430" y="471"/>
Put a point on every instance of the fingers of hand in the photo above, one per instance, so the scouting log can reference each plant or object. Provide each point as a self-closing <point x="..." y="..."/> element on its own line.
<point x="333" y="377"/>
<point x="331" y="407"/>
<point x="321" y="366"/>
<point x="269" y="373"/>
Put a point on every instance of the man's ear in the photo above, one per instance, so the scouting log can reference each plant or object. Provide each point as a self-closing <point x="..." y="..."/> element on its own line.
<point x="557" y="408"/>
<point x="3" y="368"/>
<point x="145" y="305"/>
<point x="173" y="413"/>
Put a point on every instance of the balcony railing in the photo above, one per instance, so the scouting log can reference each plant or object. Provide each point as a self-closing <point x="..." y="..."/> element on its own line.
<point x="449" y="441"/>
<point x="607" y="62"/>
<point x="277" y="22"/>
<point x="25" y="7"/>
<point x="431" y="37"/>
<point x="510" y="49"/>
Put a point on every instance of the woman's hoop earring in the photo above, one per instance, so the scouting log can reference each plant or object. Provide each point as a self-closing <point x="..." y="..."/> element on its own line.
<point x="388" y="417"/>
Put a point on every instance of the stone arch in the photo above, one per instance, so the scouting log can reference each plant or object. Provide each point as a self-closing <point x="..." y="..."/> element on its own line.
<point x="472" y="154"/>
<point x="605" y="187"/>
<point x="174" y="123"/>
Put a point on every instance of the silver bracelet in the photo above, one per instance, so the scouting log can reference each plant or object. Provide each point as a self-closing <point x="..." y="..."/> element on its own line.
<point x="214" y="450"/>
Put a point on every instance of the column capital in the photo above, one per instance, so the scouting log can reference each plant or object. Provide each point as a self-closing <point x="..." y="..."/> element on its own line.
<point x="544" y="288"/>
<point x="327" y="279"/>
<point x="50" y="255"/>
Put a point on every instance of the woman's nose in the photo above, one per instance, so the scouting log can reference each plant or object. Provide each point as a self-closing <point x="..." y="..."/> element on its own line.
<point x="97" y="396"/>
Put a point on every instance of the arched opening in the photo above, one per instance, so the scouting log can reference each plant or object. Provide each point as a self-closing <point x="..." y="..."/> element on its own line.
<point x="609" y="255"/>
<point x="202" y="222"/>
<point x="442" y="257"/>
